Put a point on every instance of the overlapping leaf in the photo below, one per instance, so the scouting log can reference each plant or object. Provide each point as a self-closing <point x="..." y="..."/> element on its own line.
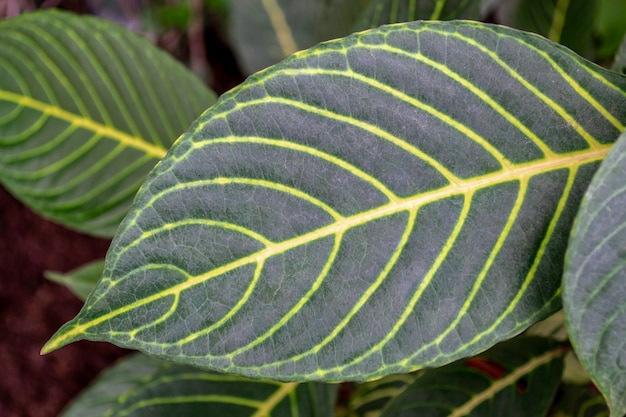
<point x="594" y="294"/>
<point x="144" y="386"/>
<point x="80" y="280"/>
<point x="518" y="378"/>
<point x="569" y="22"/>
<point x="396" y="199"/>
<point x="86" y="110"/>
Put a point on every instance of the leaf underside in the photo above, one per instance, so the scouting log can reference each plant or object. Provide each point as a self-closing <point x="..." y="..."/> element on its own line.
<point x="517" y="378"/>
<point x="594" y="282"/>
<point x="87" y="108"/>
<point x="140" y="386"/>
<point x="397" y="199"/>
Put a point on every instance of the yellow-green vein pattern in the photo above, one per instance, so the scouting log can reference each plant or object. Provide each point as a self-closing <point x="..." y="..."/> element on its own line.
<point x="396" y="199"/>
<point x="86" y="110"/>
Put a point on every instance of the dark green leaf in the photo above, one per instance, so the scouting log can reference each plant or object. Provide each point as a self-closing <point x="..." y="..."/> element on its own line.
<point x="86" y="110"/>
<point x="578" y="401"/>
<point x="610" y="27"/>
<point x="397" y="199"/>
<point x="620" y="58"/>
<point x="568" y="22"/>
<point x="81" y="280"/>
<point x="370" y="398"/>
<point x="594" y="294"/>
<point x="140" y="386"/>
<point x="382" y="12"/>
<point x="516" y="378"/>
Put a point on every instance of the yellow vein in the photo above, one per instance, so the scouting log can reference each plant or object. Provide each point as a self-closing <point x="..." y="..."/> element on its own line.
<point x="301" y="302"/>
<point x="407" y="204"/>
<point x="281" y="27"/>
<point x="304" y="149"/>
<point x="363" y="125"/>
<point x="502" y="383"/>
<point x="89" y="124"/>
<point x="442" y="116"/>
<point x="558" y="20"/>
<point x="436" y="15"/>
<point x="543" y="97"/>
<point x="268" y="405"/>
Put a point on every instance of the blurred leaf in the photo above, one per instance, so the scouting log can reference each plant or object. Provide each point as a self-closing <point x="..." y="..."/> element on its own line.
<point x="87" y="108"/>
<point x="140" y="386"/>
<point x="620" y="58"/>
<point x="568" y="22"/>
<point x="594" y="286"/>
<point x="609" y="27"/>
<point x="81" y="280"/>
<point x="369" y="398"/>
<point x="579" y="401"/>
<point x="516" y="378"/>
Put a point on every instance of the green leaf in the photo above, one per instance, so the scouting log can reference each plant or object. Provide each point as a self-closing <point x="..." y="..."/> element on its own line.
<point x="369" y="398"/>
<point x="86" y="110"/>
<point x="81" y="280"/>
<point x="579" y="401"/>
<point x="609" y="27"/>
<point x="143" y="386"/>
<point x="264" y="32"/>
<point x="620" y="58"/>
<point x="568" y="22"/>
<point x="382" y="12"/>
<point x="594" y="283"/>
<point x="520" y="376"/>
<point x="394" y="200"/>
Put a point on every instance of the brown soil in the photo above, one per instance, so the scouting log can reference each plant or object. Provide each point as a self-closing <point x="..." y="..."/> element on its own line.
<point x="32" y="309"/>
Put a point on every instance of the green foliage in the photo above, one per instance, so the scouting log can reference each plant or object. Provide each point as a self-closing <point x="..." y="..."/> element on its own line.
<point x="397" y="200"/>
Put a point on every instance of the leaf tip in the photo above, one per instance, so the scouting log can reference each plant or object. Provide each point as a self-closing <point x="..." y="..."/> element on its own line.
<point x="63" y="336"/>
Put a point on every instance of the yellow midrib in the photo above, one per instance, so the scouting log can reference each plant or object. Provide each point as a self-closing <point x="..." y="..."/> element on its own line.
<point x="570" y="160"/>
<point x="86" y="123"/>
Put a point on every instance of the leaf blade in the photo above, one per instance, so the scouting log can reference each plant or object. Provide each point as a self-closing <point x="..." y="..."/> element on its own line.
<point x="85" y="112"/>
<point x="594" y="280"/>
<point x="346" y="250"/>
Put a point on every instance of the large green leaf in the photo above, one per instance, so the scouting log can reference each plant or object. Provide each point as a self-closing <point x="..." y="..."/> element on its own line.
<point x="569" y="22"/>
<point x="397" y="199"/>
<point x="86" y="110"/>
<point x="516" y="378"/>
<point x="594" y="294"/>
<point x="144" y="386"/>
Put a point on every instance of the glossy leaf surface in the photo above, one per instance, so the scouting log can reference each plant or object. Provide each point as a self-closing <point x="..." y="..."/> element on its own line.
<point x="594" y="294"/>
<point x="86" y="110"/>
<point x="568" y="22"/>
<point x="80" y="280"/>
<point x="140" y="386"/>
<point x="517" y="378"/>
<point x="397" y="199"/>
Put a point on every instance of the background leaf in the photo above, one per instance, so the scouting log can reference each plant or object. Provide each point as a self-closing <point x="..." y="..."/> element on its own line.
<point x="609" y="27"/>
<point x="143" y="386"/>
<point x="620" y="58"/>
<point x="86" y="110"/>
<point x="579" y="401"/>
<point x="81" y="280"/>
<point x="516" y="378"/>
<point x="568" y="22"/>
<point x="595" y="280"/>
<point x="322" y="220"/>
<point x="369" y="398"/>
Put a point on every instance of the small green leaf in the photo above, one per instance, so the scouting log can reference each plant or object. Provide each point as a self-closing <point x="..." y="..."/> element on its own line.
<point x="594" y="294"/>
<point x="140" y="386"/>
<point x="568" y="22"/>
<point x="579" y="401"/>
<point x="516" y="378"/>
<point x="397" y="199"/>
<point x="86" y="110"/>
<point x="81" y="280"/>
